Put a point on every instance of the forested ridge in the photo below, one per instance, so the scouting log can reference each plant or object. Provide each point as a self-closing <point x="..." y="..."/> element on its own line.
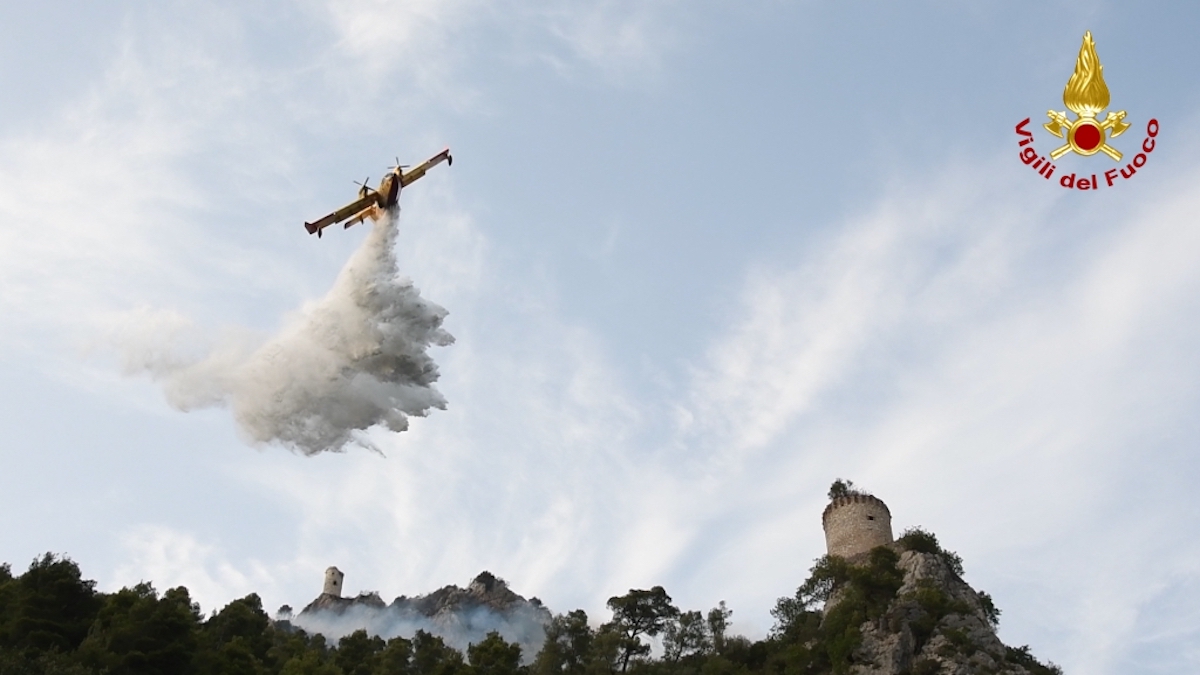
<point x="53" y="621"/>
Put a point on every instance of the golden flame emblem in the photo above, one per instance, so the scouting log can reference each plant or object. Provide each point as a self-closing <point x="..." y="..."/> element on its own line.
<point x="1086" y="95"/>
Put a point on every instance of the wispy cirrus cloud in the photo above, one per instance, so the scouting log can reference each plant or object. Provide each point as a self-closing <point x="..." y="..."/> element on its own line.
<point x="937" y="352"/>
<point x="619" y="39"/>
<point x="912" y="265"/>
<point x="430" y="42"/>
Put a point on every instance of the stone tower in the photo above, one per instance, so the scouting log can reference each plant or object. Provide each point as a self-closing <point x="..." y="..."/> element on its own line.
<point x="856" y="523"/>
<point x="333" y="582"/>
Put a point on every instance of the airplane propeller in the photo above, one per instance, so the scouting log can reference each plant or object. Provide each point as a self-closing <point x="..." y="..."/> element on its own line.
<point x="365" y="184"/>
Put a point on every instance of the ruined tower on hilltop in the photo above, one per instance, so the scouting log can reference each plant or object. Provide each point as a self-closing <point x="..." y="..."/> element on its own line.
<point x="855" y="523"/>
<point x="333" y="582"/>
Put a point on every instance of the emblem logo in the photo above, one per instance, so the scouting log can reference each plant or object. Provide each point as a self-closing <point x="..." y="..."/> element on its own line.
<point x="1087" y="96"/>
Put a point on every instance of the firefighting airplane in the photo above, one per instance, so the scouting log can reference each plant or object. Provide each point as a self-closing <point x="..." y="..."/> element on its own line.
<point x="372" y="203"/>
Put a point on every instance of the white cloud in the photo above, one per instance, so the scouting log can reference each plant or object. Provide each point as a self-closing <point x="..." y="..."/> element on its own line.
<point x="618" y="38"/>
<point x="102" y="208"/>
<point x="911" y="352"/>
<point x="996" y="365"/>
<point x="1011" y="400"/>
<point x="421" y="41"/>
<point x="168" y="558"/>
<point x="922" y="262"/>
<point x="430" y="42"/>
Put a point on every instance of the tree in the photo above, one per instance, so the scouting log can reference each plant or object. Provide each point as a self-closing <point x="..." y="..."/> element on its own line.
<point x="494" y="656"/>
<point x="48" y="608"/>
<point x="236" y="639"/>
<point x="137" y="632"/>
<point x="288" y="645"/>
<point x="829" y="573"/>
<point x="921" y="540"/>
<point x="395" y="657"/>
<point x="843" y="488"/>
<point x="718" y="623"/>
<point x="990" y="611"/>
<point x="300" y="654"/>
<point x="358" y="653"/>
<point x="432" y="656"/>
<point x="237" y="657"/>
<point x="1021" y="656"/>
<point x="45" y="663"/>
<point x="686" y="635"/>
<point x="638" y="613"/>
<point x="605" y="651"/>
<point x="567" y="646"/>
<point x="309" y="663"/>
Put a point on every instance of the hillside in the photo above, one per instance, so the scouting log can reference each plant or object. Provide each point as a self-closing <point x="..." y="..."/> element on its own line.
<point x="877" y="607"/>
<point x="901" y="609"/>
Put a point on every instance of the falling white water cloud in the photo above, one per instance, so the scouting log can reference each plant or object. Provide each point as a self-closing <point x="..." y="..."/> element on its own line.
<point x="350" y="361"/>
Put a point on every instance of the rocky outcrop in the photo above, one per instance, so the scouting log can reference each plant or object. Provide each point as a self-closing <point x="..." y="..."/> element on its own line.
<point x="461" y="616"/>
<point x="936" y="625"/>
<point x="327" y="602"/>
<point x="485" y="591"/>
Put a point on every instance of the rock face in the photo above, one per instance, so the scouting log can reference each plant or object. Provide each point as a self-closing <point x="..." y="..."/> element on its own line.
<point x="485" y="591"/>
<point x="328" y="602"/>
<point x="936" y="625"/>
<point x="461" y="616"/>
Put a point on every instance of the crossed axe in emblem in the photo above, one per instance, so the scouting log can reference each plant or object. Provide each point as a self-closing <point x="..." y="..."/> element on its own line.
<point x="1114" y="121"/>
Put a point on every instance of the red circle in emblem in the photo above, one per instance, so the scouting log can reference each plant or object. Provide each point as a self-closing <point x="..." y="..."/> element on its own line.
<point x="1088" y="136"/>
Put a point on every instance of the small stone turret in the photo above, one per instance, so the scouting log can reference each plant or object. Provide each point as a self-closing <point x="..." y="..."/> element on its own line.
<point x="333" y="582"/>
<point x="856" y="523"/>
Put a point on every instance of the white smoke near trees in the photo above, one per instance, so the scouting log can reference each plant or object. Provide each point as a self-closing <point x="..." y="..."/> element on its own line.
<point x="460" y="616"/>
<point x="352" y="360"/>
<point x="460" y="628"/>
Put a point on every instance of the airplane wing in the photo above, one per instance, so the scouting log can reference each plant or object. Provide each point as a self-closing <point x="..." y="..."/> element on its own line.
<point x="372" y="212"/>
<point x="347" y="211"/>
<point x="409" y="177"/>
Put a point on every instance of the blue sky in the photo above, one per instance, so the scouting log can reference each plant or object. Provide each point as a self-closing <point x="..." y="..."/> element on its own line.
<point x="700" y="259"/>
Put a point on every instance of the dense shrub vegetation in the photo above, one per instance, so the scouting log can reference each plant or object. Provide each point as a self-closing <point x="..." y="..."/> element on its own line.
<point x="921" y="541"/>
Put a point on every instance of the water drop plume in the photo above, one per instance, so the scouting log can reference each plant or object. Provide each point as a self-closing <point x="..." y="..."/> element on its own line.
<point x="354" y="359"/>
